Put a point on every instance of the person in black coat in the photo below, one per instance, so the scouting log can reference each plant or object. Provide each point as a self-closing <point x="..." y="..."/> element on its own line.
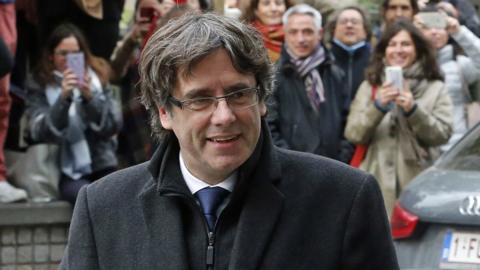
<point x="350" y="32"/>
<point x="269" y="208"/>
<point x="307" y="110"/>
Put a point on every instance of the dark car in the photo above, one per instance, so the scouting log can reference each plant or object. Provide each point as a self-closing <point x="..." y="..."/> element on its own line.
<point x="436" y="221"/>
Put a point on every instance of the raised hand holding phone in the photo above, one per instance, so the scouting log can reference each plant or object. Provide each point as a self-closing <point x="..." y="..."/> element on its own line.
<point x="453" y="26"/>
<point x="405" y="99"/>
<point x="69" y="82"/>
<point x="390" y="89"/>
<point x="85" y="89"/>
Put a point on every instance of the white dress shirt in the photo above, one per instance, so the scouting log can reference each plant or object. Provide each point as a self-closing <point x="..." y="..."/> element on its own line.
<point x="194" y="184"/>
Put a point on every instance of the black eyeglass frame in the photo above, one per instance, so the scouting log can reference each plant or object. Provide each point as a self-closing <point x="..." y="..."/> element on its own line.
<point x="181" y="103"/>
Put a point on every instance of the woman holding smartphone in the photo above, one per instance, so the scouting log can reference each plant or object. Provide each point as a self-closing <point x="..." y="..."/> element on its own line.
<point x="78" y="114"/>
<point x="458" y="54"/>
<point x="402" y="128"/>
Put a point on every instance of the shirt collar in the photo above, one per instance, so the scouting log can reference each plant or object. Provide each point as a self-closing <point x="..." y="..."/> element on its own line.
<point x="194" y="184"/>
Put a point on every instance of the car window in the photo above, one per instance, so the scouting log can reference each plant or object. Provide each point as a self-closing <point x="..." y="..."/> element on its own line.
<point x="465" y="155"/>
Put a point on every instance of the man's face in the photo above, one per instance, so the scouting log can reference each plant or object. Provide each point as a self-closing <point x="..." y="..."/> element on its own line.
<point x="301" y="35"/>
<point x="398" y="9"/>
<point x="215" y="142"/>
<point x="349" y="28"/>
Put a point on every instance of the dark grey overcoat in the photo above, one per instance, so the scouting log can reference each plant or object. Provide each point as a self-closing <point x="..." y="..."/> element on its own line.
<point x="289" y="210"/>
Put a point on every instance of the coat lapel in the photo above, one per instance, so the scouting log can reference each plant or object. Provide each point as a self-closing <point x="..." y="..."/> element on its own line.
<point x="262" y="206"/>
<point x="165" y="235"/>
<point x="162" y="214"/>
<point x="257" y="222"/>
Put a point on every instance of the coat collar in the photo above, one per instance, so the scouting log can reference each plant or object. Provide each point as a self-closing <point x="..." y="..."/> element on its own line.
<point x="255" y="194"/>
<point x="341" y="54"/>
<point x="263" y="154"/>
<point x="445" y="54"/>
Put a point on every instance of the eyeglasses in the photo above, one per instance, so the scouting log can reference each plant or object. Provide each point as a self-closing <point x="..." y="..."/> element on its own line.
<point x="237" y="100"/>
<point x="65" y="52"/>
<point x="345" y="21"/>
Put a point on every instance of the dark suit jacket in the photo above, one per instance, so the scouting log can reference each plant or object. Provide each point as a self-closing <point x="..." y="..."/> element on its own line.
<point x="295" y="124"/>
<point x="289" y="210"/>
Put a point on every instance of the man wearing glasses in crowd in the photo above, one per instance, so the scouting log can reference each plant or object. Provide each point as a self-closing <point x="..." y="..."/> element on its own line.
<point x="217" y="194"/>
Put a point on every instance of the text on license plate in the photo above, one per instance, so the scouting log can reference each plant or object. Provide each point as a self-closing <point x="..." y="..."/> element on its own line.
<point x="461" y="247"/>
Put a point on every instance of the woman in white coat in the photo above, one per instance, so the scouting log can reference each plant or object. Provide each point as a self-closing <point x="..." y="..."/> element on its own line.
<point x="458" y="54"/>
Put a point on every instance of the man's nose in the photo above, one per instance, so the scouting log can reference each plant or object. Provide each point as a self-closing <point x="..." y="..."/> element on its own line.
<point x="273" y="6"/>
<point x="222" y="113"/>
<point x="398" y="12"/>
<point x="300" y="37"/>
<point x="435" y="31"/>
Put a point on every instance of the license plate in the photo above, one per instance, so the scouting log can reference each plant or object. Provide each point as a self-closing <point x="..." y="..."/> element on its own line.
<point x="461" y="247"/>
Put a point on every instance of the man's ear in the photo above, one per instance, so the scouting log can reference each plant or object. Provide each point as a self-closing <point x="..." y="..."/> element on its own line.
<point x="262" y="108"/>
<point x="165" y="118"/>
<point x="320" y="34"/>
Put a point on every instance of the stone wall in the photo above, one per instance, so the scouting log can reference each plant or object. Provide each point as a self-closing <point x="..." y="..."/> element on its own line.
<point x="33" y="235"/>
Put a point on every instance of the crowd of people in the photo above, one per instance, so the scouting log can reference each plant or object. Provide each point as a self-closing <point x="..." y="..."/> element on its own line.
<point x="331" y="97"/>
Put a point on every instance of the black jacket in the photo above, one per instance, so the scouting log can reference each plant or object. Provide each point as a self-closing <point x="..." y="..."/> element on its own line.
<point x="288" y="210"/>
<point x="296" y="125"/>
<point x="353" y="65"/>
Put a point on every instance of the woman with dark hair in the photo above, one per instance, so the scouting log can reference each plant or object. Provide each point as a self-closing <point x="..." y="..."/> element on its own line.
<point x="401" y="127"/>
<point x="78" y="114"/>
<point x="266" y="17"/>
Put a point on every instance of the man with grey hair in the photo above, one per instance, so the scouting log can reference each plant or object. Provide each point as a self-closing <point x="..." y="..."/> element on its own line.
<point x="308" y="109"/>
<point x="217" y="194"/>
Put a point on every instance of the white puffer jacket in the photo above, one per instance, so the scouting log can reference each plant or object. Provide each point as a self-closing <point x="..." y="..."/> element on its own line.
<point x="460" y="70"/>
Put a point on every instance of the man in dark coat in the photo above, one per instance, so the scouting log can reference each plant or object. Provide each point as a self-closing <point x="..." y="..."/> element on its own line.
<point x="307" y="111"/>
<point x="218" y="194"/>
<point x="350" y="47"/>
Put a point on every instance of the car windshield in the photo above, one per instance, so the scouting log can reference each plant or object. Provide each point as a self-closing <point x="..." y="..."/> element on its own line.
<point x="465" y="155"/>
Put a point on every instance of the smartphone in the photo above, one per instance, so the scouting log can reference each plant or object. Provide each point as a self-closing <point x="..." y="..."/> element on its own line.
<point x="433" y="19"/>
<point x="147" y="13"/>
<point x="76" y="62"/>
<point x="395" y="76"/>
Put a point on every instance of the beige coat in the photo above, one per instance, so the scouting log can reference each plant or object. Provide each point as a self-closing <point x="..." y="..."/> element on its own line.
<point x="430" y="123"/>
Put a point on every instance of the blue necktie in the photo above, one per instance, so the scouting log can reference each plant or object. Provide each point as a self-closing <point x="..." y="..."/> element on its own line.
<point x="210" y="199"/>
